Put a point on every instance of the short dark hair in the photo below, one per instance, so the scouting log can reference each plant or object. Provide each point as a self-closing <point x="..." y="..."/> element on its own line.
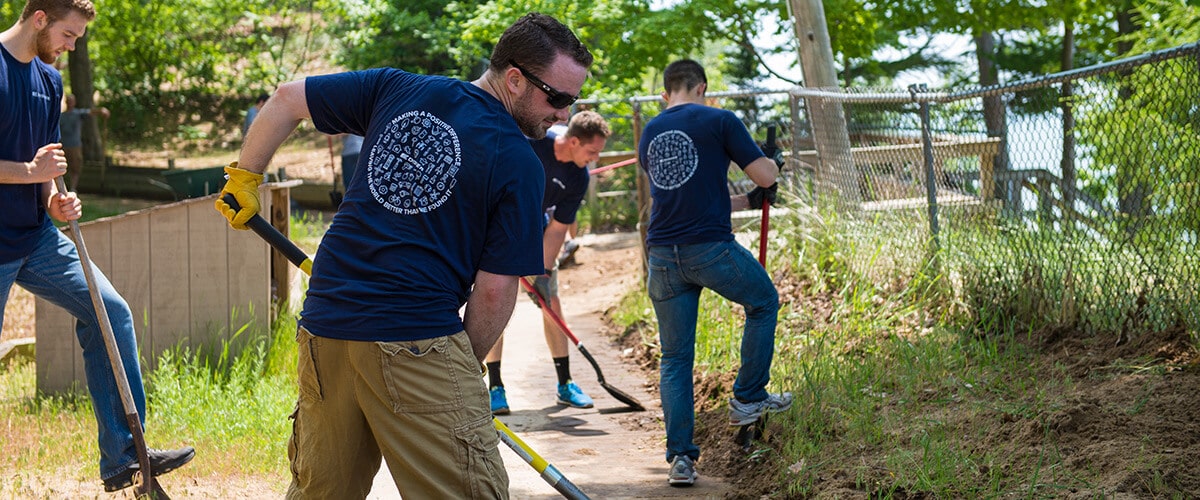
<point x="262" y="98"/>
<point x="684" y="74"/>
<point x="587" y="125"/>
<point x="58" y="9"/>
<point x="534" y="41"/>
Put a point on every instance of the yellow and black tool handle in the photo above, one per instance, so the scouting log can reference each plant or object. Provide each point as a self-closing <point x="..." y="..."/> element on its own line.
<point x="296" y="256"/>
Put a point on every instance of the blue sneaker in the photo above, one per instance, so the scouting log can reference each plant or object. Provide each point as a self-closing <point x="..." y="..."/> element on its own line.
<point x="499" y="402"/>
<point x="571" y="395"/>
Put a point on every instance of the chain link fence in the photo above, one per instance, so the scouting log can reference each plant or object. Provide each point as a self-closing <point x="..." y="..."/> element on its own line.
<point x="1068" y="200"/>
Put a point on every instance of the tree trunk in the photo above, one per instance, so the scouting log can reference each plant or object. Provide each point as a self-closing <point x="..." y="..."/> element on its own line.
<point x="1131" y="190"/>
<point x="79" y="64"/>
<point x="1068" y="122"/>
<point x="993" y="116"/>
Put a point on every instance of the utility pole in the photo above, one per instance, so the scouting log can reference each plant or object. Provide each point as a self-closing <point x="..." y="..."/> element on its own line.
<point x="830" y="134"/>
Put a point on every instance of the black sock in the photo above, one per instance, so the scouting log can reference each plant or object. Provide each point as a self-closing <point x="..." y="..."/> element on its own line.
<point x="494" y="375"/>
<point x="562" y="366"/>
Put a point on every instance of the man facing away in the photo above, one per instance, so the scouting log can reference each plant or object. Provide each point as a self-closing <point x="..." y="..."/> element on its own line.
<point x="564" y="159"/>
<point x="686" y="151"/>
<point x="39" y="257"/>
<point x="445" y="211"/>
<point x="252" y="113"/>
<point x="71" y="127"/>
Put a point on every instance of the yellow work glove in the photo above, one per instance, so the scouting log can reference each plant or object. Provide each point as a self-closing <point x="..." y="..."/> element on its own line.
<point x="243" y="185"/>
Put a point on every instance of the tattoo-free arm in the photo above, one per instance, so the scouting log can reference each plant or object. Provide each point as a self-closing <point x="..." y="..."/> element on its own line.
<point x="488" y="310"/>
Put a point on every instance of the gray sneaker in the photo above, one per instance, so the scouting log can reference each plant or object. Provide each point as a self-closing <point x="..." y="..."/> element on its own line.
<point x="683" y="471"/>
<point x="746" y="413"/>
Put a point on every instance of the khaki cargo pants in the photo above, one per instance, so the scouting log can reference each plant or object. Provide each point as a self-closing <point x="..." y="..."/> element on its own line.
<point x="421" y="405"/>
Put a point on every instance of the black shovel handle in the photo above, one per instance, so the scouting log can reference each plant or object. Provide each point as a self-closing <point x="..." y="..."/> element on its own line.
<point x="274" y="238"/>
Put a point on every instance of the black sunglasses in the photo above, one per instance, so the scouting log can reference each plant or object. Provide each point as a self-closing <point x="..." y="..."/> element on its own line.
<point x="556" y="98"/>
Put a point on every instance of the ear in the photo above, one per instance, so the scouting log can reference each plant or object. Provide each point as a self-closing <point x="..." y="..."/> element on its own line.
<point x="40" y="19"/>
<point x="666" y="97"/>
<point x="513" y="80"/>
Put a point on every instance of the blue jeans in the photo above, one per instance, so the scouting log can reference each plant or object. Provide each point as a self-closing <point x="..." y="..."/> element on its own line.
<point x="53" y="272"/>
<point x="349" y="162"/>
<point x="677" y="275"/>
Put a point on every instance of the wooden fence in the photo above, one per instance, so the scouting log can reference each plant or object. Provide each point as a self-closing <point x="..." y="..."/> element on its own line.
<point x="189" y="279"/>
<point x="911" y="158"/>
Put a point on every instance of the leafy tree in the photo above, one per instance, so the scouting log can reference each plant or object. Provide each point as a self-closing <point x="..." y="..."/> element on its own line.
<point x="414" y="35"/>
<point x="170" y="67"/>
<point x="627" y="38"/>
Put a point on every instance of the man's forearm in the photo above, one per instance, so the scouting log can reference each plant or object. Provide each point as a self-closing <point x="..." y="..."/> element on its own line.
<point x="278" y="118"/>
<point x="488" y="310"/>
<point x="15" y="172"/>
<point x="552" y="242"/>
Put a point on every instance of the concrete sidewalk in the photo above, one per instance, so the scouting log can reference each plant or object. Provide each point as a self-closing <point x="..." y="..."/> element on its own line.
<point x="607" y="451"/>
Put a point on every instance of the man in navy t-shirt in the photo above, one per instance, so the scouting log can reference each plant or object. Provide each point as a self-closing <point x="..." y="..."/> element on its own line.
<point x="564" y="159"/>
<point x="39" y="257"/>
<point x="445" y="211"/>
<point x="686" y="151"/>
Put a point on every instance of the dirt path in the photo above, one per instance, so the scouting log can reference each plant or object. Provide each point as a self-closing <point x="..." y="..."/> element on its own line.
<point x="607" y="451"/>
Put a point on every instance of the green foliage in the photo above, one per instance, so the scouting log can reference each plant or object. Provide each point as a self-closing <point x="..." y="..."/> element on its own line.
<point x="1165" y="24"/>
<point x="173" y="66"/>
<point x="10" y="11"/>
<point x="1131" y="167"/>
<point x="626" y="37"/>
<point x="414" y="36"/>
<point x="234" y="405"/>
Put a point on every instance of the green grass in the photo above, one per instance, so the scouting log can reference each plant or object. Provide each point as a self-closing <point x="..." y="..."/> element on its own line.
<point x="909" y="367"/>
<point x="98" y="207"/>
<point x="48" y="433"/>
<point x="233" y="408"/>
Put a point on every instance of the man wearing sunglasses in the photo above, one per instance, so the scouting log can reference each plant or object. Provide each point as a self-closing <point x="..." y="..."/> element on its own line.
<point x="564" y="158"/>
<point x="556" y="98"/>
<point x="444" y="210"/>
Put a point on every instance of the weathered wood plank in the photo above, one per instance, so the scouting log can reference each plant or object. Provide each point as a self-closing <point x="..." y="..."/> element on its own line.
<point x="248" y="258"/>
<point x="208" y="271"/>
<point x="170" y="282"/>
<point x="57" y="349"/>
<point x="185" y="275"/>
<point x="130" y="274"/>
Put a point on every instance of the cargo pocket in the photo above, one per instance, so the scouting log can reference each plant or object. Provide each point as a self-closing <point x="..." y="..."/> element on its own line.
<point x="421" y="375"/>
<point x="293" y="446"/>
<point x="479" y="459"/>
<point x="308" y="377"/>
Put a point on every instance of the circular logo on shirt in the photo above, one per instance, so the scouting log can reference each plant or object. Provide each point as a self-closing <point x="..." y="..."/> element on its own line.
<point x="673" y="159"/>
<point x="413" y="163"/>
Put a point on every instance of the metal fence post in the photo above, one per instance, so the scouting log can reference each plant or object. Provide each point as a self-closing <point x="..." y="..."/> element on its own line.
<point x="927" y="149"/>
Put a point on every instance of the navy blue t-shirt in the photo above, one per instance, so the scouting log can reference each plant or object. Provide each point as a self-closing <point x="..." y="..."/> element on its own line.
<point x="686" y="152"/>
<point x="447" y="186"/>
<point x="30" y="97"/>
<point x="566" y="182"/>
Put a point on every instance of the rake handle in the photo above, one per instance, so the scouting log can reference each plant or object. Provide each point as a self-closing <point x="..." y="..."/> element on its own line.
<point x="148" y="485"/>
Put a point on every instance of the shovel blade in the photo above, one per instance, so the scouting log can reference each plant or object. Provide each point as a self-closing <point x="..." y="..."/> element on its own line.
<point x="621" y="396"/>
